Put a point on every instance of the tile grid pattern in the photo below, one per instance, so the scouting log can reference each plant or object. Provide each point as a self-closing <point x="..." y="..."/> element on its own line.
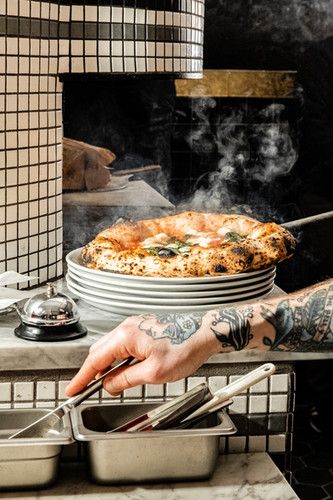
<point x="38" y="41"/>
<point x="263" y="414"/>
<point x="204" y="127"/>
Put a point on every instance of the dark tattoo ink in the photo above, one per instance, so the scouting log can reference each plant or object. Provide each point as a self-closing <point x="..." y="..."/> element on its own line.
<point x="239" y="334"/>
<point x="307" y="326"/>
<point x="178" y="326"/>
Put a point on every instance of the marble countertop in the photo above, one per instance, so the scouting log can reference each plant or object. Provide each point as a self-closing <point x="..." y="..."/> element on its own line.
<point x="251" y="476"/>
<point x="19" y="354"/>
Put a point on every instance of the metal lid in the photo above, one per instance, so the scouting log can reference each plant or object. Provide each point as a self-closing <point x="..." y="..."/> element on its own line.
<point x="50" y="308"/>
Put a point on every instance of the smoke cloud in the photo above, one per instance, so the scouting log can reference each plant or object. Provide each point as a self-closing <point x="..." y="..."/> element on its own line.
<point x="252" y="159"/>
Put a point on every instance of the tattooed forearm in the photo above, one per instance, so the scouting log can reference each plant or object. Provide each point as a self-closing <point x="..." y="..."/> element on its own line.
<point x="304" y="323"/>
<point x="299" y="322"/>
<point x="238" y="325"/>
<point x="176" y="327"/>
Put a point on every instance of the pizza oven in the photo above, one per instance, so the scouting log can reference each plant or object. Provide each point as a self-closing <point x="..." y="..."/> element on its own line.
<point x="45" y="41"/>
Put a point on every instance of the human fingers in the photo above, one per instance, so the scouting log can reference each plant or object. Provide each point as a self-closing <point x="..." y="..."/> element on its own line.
<point x="143" y="372"/>
<point x="88" y="371"/>
<point x="118" y="344"/>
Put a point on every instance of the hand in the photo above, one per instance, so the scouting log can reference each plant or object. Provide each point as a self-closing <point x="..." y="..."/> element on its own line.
<point x="169" y="347"/>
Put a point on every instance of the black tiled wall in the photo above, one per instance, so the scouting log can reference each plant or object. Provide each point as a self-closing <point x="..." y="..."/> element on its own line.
<point x="256" y="138"/>
<point x="261" y="34"/>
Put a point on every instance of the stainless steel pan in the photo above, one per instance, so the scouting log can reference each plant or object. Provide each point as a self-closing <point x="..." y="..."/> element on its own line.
<point x="41" y="427"/>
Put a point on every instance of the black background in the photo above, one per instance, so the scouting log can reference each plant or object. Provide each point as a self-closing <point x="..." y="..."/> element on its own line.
<point x="263" y="34"/>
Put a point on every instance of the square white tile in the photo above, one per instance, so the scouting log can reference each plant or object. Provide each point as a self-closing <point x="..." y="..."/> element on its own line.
<point x="23" y="391"/>
<point x="45" y="390"/>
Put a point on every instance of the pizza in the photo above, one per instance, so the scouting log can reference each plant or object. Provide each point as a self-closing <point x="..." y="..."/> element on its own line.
<point x="189" y="244"/>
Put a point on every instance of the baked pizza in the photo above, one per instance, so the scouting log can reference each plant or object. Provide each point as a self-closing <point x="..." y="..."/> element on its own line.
<point x="189" y="244"/>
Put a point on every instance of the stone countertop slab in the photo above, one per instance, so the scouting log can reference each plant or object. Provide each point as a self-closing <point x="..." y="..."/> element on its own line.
<point x="19" y="354"/>
<point x="251" y="476"/>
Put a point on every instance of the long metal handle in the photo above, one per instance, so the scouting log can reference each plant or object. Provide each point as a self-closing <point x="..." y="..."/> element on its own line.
<point x="308" y="220"/>
<point x="234" y="389"/>
<point x="95" y="386"/>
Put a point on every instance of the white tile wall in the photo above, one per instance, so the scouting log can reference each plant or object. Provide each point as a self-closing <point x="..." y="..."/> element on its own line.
<point x="258" y="404"/>
<point x="239" y="404"/>
<point x="237" y="444"/>
<point x="277" y="443"/>
<point x="257" y="443"/>
<point x="62" y="384"/>
<point x="23" y="405"/>
<point x="30" y="100"/>
<point x="194" y="381"/>
<point x="45" y="390"/>
<point x="154" y="390"/>
<point x="5" y="405"/>
<point x="261" y="386"/>
<point x="45" y="404"/>
<point x="217" y="382"/>
<point x="23" y="391"/>
<point x="5" y="392"/>
<point x="278" y="403"/>
<point x="175" y="388"/>
<point x="134" y="392"/>
<point x="279" y="383"/>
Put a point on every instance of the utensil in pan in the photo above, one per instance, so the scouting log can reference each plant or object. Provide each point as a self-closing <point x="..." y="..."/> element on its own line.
<point x="227" y="392"/>
<point x="41" y="427"/>
<point x="213" y="402"/>
<point x="195" y="404"/>
<point x="165" y="414"/>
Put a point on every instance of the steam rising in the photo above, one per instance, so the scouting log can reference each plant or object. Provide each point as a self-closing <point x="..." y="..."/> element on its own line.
<point x="251" y="159"/>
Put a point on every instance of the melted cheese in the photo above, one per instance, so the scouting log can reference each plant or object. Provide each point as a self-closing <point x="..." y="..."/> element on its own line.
<point x="205" y="239"/>
<point x="224" y="230"/>
<point x="159" y="240"/>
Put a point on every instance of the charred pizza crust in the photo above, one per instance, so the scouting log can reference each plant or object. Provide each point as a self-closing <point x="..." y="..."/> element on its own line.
<point x="208" y="244"/>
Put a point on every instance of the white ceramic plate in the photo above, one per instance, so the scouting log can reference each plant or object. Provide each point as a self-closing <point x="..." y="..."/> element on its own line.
<point x="125" y="284"/>
<point x="126" y="308"/>
<point x="165" y="292"/>
<point x="74" y="262"/>
<point x="167" y="301"/>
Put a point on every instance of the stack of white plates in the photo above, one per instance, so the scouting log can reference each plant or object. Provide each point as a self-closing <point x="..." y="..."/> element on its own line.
<point x="127" y="295"/>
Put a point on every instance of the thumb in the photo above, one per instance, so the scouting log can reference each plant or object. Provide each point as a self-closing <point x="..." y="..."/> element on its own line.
<point x="127" y="377"/>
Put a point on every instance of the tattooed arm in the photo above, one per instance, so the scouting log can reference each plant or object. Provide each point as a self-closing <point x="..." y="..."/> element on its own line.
<point x="302" y="321"/>
<point x="173" y="346"/>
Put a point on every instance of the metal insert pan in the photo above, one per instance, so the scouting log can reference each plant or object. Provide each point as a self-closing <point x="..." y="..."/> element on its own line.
<point x="30" y="462"/>
<point x="123" y="457"/>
